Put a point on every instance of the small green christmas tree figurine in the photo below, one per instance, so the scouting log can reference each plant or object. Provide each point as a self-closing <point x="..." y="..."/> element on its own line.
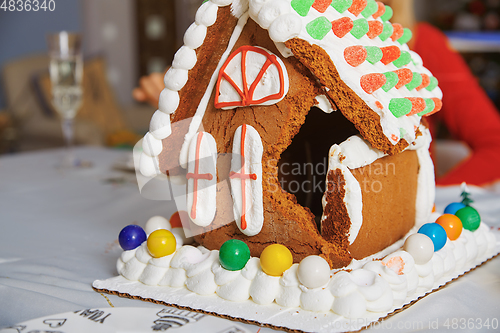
<point x="466" y="200"/>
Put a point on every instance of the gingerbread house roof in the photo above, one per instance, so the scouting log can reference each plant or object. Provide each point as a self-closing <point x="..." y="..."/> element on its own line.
<point x="367" y="53"/>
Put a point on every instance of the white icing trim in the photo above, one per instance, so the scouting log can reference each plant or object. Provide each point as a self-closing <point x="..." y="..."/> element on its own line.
<point x="184" y="58"/>
<point x="151" y="146"/>
<point x="206" y="14"/>
<point x="149" y="166"/>
<point x="270" y="11"/>
<point x="367" y="289"/>
<point x="195" y="36"/>
<point x="254" y="207"/>
<point x="324" y="104"/>
<point x="353" y="198"/>
<point x="160" y="125"/>
<point x="175" y="79"/>
<point x="426" y="190"/>
<point x="169" y="101"/>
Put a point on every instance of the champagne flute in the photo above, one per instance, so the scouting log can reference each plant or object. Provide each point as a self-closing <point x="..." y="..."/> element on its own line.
<point x="66" y="74"/>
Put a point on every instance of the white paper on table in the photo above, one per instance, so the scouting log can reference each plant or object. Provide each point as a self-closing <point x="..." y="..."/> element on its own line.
<point x="121" y="320"/>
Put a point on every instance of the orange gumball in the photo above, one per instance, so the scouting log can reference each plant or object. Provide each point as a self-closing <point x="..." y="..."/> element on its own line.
<point x="177" y="218"/>
<point x="451" y="224"/>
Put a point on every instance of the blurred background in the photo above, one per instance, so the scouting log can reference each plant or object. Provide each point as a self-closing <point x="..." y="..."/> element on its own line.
<point x="126" y="39"/>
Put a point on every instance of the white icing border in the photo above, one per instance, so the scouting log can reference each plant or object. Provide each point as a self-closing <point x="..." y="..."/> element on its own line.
<point x="368" y="292"/>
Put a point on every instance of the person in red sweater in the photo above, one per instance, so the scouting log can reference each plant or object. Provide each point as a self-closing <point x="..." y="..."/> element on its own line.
<point x="469" y="115"/>
<point x="467" y="112"/>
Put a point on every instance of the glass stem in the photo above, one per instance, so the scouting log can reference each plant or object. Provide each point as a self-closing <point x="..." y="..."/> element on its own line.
<point x="67" y="129"/>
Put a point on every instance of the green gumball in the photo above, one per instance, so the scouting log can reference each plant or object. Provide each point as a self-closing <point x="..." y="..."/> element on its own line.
<point x="234" y="255"/>
<point x="470" y="218"/>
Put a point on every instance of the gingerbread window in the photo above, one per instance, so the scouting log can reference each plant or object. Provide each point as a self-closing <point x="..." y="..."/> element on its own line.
<point x="251" y="76"/>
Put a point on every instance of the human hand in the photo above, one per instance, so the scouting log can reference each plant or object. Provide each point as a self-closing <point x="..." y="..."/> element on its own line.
<point x="149" y="89"/>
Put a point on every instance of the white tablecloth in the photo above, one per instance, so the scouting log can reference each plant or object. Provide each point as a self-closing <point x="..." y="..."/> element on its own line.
<point x="58" y="234"/>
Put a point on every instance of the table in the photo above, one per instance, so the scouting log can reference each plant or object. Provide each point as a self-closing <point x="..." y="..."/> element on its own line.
<point x="58" y="234"/>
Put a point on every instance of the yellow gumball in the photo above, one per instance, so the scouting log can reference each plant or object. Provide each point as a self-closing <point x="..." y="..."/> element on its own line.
<point x="161" y="243"/>
<point x="275" y="259"/>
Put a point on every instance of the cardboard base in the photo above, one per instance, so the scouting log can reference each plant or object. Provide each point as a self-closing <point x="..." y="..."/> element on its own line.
<point x="272" y="315"/>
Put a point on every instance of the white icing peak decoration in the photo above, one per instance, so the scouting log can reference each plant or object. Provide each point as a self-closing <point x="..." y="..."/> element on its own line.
<point x="246" y="180"/>
<point x="251" y="76"/>
<point x="202" y="179"/>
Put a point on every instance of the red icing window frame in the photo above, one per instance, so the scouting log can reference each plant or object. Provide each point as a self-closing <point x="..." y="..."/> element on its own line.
<point x="247" y="93"/>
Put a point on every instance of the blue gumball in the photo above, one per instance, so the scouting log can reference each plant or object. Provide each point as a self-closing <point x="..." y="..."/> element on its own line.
<point x="453" y="208"/>
<point x="131" y="237"/>
<point x="436" y="233"/>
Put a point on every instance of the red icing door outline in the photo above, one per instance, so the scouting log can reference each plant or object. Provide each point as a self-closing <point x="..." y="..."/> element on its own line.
<point x="247" y="94"/>
<point x="195" y="176"/>
<point x="243" y="176"/>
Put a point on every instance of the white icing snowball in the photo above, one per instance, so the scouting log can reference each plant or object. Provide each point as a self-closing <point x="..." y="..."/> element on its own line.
<point x="181" y="235"/>
<point x="160" y="126"/>
<point x="459" y="252"/>
<point x="151" y="146"/>
<point x="420" y="247"/>
<point x="169" y="101"/>
<point x="285" y="27"/>
<point x="271" y="11"/>
<point x="255" y="7"/>
<point x="318" y="300"/>
<point x="156" y="223"/>
<point x="239" y="7"/>
<point x="352" y="305"/>
<point x="195" y="36"/>
<point x="175" y="277"/>
<point x="152" y="275"/>
<point x="175" y="79"/>
<point x="313" y="272"/>
<point x="206" y="14"/>
<point x="185" y="58"/>
<point x="149" y="166"/>
<point x="222" y="3"/>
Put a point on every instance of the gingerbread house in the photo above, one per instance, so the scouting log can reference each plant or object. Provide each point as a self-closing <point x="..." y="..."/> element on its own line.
<point x="263" y="88"/>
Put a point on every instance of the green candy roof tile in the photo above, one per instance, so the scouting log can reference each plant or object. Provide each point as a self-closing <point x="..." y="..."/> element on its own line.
<point x="403" y="60"/>
<point x="319" y="27"/>
<point x="387" y="32"/>
<point x="370" y="9"/>
<point x="302" y="7"/>
<point x="434" y="83"/>
<point x="392" y="80"/>
<point x="415" y="81"/>
<point x="360" y="28"/>
<point x="388" y="14"/>
<point x="400" y="107"/>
